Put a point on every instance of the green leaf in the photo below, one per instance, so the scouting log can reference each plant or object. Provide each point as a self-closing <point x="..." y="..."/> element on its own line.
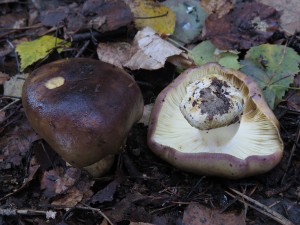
<point x="206" y="52"/>
<point x="229" y="60"/>
<point x="273" y="67"/>
<point x="32" y="51"/>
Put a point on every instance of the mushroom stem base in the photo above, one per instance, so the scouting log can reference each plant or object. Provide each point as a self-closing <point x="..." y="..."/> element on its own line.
<point x="101" y="167"/>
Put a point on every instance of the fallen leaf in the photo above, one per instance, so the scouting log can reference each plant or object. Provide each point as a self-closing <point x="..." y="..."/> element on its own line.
<point x="68" y="180"/>
<point x="196" y="214"/>
<point x="116" y="53"/>
<point x="126" y="209"/>
<point x="47" y="182"/>
<point x="12" y="20"/>
<point x="207" y="52"/>
<point x="71" y="199"/>
<point x="13" y="87"/>
<point x="273" y="67"/>
<point x="16" y="144"/>
<point x="107" y="193"/>
<point x="148" y="13"/>
<point x="190" y="19"/>
<point x="4" y="77"/>
<point x="67" y="187"/>
<point x="219" y="7"/>
<point x="290" y="19"/>
<point x="151" y="52"/>
<point x="32" y="51"/>
<point x="101" y="15"/>
<point x="248" y="24"/>
<point x="53" y="17"/>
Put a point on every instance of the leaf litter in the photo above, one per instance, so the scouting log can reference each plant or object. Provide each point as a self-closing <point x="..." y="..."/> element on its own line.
<point x="248" y="24"/>
<point x="150" y="191"/>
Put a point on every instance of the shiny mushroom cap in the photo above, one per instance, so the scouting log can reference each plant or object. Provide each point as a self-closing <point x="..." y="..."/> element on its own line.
<point x="215" y="121"/>
<point x="83" y="108"/>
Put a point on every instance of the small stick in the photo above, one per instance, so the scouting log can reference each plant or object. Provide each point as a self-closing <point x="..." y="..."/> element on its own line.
<point x="261" y="208"/>
<point x="82" y="49"/>
<point x="10" y="104"/>
<point x="13" y="212"/>
<point x="95" y="210"/>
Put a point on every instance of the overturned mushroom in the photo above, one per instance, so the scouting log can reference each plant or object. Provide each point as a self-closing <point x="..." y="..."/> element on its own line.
<point x="215" y="121"/>
<point x="84" y="109"/>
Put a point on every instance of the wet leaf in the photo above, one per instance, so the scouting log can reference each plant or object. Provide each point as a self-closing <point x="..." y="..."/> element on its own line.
<point x="196" y="214"/>
<point x="190" y="19"/>
<point x="273" y="67"/>
<point x="248" y="24"/>
<point x="148" y="13"/>
<point x="290" y="19"/>
<point x="206" y="52"/>
<point x="32" y="51"/>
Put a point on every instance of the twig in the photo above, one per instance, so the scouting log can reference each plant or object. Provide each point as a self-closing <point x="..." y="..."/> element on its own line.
<point x="85" y="207"/>
<point x="95" y="210"/>
<point x="260" y="208"/>
<point x="82" y="49"/>
<point x="10" y="104"/>
<point x="29" y="212"/>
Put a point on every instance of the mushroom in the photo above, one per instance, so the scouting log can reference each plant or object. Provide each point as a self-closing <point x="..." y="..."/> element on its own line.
<point x="84" y="109"/>
<point x="215" y="121"/>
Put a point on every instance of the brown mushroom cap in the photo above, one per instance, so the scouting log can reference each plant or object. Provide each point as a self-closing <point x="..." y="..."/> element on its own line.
<point x="83" y="108"/>
<point x="250" y="146"/>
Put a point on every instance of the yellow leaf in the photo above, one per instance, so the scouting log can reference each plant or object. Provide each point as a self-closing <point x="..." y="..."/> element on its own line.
<point x="32" y="51"/>
<point x="148" y="13"/>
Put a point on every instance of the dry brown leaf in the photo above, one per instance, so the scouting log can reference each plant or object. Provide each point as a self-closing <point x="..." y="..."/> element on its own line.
<point x="72" y="198"/>
<point x="151" y="51"/>
<point x="220" y="7"/>
<point x="290" y="19"/>
<point x="196" y="214"/>
<point x="117" y="53"/>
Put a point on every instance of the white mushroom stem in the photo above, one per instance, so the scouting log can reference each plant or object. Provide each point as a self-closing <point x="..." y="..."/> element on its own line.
<point x="212" y="102"/>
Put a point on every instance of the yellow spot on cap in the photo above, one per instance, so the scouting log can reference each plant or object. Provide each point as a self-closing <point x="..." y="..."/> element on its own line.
<point x="55" y="82"/>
